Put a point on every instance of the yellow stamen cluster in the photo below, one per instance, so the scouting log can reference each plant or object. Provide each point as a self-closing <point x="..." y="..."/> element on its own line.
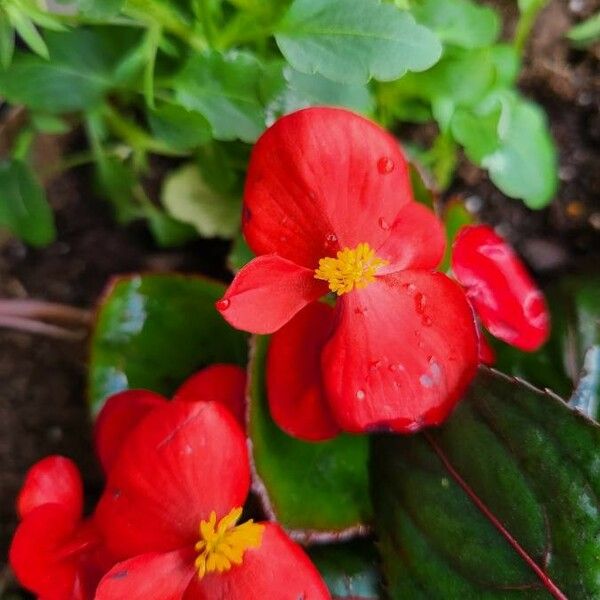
<point x="222" y="545"/>
<point x="350" y="269"/>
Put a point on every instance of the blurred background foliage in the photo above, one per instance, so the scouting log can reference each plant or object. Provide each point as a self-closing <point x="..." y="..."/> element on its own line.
<point x="197" y="81"/>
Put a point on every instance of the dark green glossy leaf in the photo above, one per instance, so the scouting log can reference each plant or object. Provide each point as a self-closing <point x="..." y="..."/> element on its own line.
<point x="225" y="89"/>
<point x="83" y="66"/>
<point x="459" y="22"/>
<point x="530" y="461"/>
<point x="152" y="331"/>
<point x="24" y="209"/>
<point x="353" y="40"/>
<point x="570" y="354"/>
<point x="315" y="489"/>
<point x="349" y="569"/>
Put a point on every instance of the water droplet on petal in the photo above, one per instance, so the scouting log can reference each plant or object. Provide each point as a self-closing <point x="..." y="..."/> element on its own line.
<point x="426" y="381"/>
<point x="223" y="303"/>
<point x="283" y="239"/>
<point x="330" y="239"/>
<point x="496" y="252"/>
<point x="360" y="395"/>
<point x="312" y="194"/>
<point x="426" y="321"/>
<point x="384" y="224"/>
<point x="534" y="308"/>
<point x="375" y="365"/>
<point x="385" y="165"/>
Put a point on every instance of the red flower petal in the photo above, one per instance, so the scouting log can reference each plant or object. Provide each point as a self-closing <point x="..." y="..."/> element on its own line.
<point x="505" y="297"/>
<point x="44" y="553"/>
<point x="277" y="570"/>
<point x="182" y="462"/>
<point x="320" y="179"/>
<point x="487" y="356"/>
<point x="218" y="383"/>
<point x="267" y="293"/>
<point x="118" y="417"/>
<point x="402" y="354"/>
<point x="417" y="240"/>
<point x="149" y="577"/>
<point x="54" y="479"/>
<point x="296" y="398"/>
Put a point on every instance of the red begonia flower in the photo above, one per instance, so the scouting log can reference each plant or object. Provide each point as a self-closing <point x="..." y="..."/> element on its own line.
<point x="119" y="415"/>
<point x="55" y="553"/>
<point x="507" y="300"/>
<point x="328" y="207"/>
<point x="54" y="479"/>
<point x="218" y="383"/>
<point x="123" y="411"/>
<point x="170" y="510"/>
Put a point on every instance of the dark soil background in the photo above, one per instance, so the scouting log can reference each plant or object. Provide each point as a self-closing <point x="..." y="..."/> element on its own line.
<point x="42" y="394"/>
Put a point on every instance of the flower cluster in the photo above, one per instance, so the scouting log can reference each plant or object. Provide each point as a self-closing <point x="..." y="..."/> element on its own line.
<point x="366" y="335"/>
<point x="167" y="524"/>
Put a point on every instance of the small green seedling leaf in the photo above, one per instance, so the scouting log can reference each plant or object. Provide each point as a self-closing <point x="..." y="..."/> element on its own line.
<point x="189" y="199"/>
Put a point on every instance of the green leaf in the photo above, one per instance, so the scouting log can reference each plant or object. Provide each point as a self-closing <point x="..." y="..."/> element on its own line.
<point x="81" y="70"/>
<point x="188" y="198"/>
<point x="514" y="145"/>
<point x="349" y="569"/>
<point x="7" y="40"/>
<point x="567" y="360"/>
<point x="167" y="231"/>
<point x="530" y="461"/>
<point x="225" y="89"/>
<point x="153" y="331"/>
<point x="179" y="128"/>
<point x="351" y="41"/>
<point x="299" y="90"/>
<point x="101" y="9"/>
<point x="585" y="33"/>
<point x="49" y="124"/>
<point x="27" y="30"/>
<point x="459" y="22"/>
<point x="24" y="209"/>
<point x="317" y="490"/>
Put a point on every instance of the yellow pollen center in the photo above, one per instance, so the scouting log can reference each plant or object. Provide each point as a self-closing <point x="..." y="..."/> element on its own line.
<point x="222" y="545"/>
<point x="350" y="269"/>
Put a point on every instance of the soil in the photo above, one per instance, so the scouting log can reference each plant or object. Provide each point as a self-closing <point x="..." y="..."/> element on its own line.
<point x="42" y="398"/>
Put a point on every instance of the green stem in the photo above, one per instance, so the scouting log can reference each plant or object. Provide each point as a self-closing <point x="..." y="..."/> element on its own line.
<point x="525" y="24"/>
<point x="203" y="12"/>
<point x="149" y="11"/>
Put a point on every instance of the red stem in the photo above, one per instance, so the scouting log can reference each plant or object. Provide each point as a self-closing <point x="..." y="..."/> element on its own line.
<point x="543" y="576"/>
